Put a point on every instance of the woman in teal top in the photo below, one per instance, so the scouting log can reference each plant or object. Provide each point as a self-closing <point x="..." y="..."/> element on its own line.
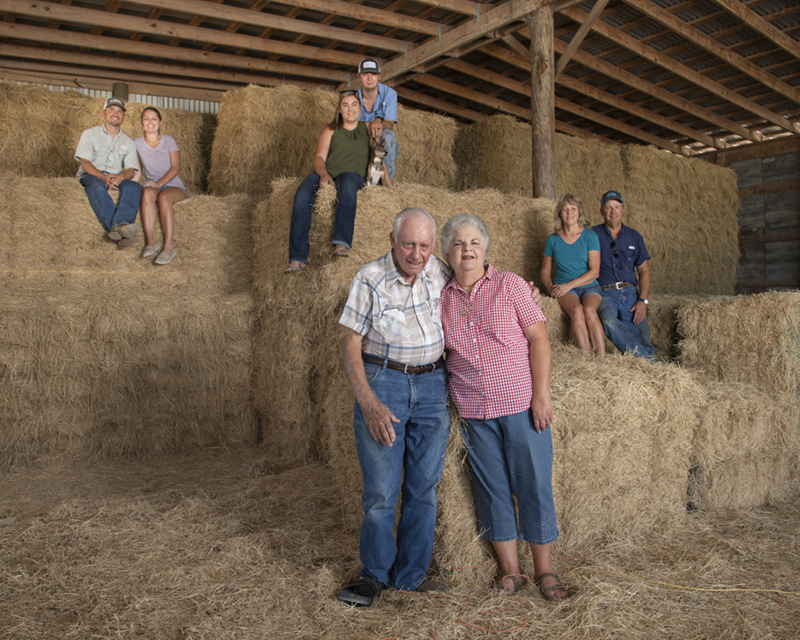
<point x="341" y="158"/>
<point x="574" y="249"/>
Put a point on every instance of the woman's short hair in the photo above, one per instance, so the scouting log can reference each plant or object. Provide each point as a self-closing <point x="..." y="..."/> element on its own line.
<point x="338" y="121"/>
<point x="412" y="211"/>
<point x="569" y="198"/>
<point x="459" y="221"/>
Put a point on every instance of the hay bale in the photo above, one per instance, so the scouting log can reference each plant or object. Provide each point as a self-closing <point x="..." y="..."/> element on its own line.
<point x="268" y="133"/>
<point x="750" y="339"/>
<point x="686" y="209"/>
<point x="98" y="375"/>
<point x="40" y="130"/>
<point x="496" y="153"/>
<point x="55" y="241"/>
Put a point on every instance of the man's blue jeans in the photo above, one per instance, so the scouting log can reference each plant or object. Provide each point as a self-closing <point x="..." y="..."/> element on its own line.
<point x="390" y="144"/>
<point x="618" y="323"/>
<point x="347" y="186"/>
<point x="108" y="213"/>
<point x="420" y="402"/>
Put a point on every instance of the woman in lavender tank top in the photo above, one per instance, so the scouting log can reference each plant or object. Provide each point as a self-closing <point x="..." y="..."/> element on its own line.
<point x="160" y="159"/>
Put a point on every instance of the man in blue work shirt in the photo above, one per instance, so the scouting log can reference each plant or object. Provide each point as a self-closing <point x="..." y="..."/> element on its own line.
<point x="623" y="257"/>
<point x="378" y="109"/>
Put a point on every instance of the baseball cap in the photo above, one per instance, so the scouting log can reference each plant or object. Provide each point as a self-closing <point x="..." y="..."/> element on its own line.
<point x="369" y="65"/>
<point x="610" y="195"/>
<point x="114" y="102"/>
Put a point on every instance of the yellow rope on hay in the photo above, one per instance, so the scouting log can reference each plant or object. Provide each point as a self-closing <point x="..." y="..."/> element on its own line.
<point x="678" y="586"/>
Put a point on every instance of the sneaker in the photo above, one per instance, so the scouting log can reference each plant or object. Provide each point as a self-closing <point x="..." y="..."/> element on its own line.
<point x="165" y="258"/>
<point x="123" y="230"/>
<point x="126" y="242"/>
<point x="150" y="250"/>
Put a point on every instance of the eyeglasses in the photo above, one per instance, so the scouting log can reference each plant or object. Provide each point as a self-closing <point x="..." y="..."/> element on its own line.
<point x="614" y="251"/>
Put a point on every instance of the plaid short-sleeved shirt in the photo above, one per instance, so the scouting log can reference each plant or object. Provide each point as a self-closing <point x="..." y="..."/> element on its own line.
<point x="401" y="320"/>
<point x="488" y="355"/>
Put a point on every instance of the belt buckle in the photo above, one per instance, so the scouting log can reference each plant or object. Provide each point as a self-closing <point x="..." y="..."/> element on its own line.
<point x="405" y="368"/>
<point x="617" y="287"/>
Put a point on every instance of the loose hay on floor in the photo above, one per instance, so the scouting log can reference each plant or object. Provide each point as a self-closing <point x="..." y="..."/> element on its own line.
<point x="230" y="545"/>
<point x="92" y="374"/>
<point x="40" y="130"/>
<point x="268" y="133"/>
<point x="55" y="242"/>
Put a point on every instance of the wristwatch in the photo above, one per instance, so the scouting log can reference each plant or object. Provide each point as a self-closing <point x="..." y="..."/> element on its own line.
<point x="645" y="300"/>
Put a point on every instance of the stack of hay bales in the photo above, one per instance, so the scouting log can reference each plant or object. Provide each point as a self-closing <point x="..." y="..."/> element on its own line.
<point x="619" y="471"/>
<point x="268" y="133"/>
<point x="103" y="353"/>
<point x="40" y="130"/>
<point x="747" y="350"/>
<point x="685" y="208"/>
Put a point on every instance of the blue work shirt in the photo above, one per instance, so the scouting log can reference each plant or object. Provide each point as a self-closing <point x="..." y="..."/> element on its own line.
<point x="631" y="253"/>
<point x="385" y="106"/>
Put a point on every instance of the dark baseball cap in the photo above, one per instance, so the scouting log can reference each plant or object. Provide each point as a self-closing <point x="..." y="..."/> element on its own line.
<point x="369" y="65"/>
<point x="610" y="195"/>
<point x="119" y="102"/>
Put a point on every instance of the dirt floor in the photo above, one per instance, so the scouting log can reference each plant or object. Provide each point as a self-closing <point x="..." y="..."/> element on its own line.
<point x="225" y="544"/>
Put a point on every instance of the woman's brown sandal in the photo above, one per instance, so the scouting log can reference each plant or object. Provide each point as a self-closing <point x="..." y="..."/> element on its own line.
<point x="505" y="591"/>
<point x="547" y="592"/>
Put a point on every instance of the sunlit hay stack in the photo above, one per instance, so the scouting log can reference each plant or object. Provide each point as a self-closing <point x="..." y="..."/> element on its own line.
<point x="751" y="339"/>
<point x="268" y="133"/>
<point x="40" y="130"/>
<point x="312" y="300"/>
<point x="54" y="241"/>
<point x="686" y="209"/>
<point x="557" y="321"/>
<point x="102" y="375"/>
<point x="495" y="153"/>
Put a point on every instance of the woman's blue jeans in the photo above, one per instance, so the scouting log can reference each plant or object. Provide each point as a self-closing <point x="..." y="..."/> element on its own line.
<point x="108" y="213"/>
<point x="420" y="403"/>
<point x="347" y="186"/>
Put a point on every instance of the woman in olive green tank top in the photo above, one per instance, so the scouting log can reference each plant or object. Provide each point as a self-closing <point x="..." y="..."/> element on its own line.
<point x="341" y="158"/>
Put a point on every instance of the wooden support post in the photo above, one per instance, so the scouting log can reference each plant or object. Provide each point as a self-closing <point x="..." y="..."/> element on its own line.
<point x="543" y="113"/>
<point x="120" y="90"/>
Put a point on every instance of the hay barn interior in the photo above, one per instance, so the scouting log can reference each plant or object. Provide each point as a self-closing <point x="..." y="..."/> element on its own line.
<point x="176" y="447"/>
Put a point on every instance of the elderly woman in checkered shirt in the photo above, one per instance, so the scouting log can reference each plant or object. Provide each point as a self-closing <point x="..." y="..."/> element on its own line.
<point x="498" y="360"/>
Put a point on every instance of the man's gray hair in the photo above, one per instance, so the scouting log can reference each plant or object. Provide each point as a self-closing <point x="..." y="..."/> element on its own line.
<point x="459" y="221"/>
<point x="410" y="212"/>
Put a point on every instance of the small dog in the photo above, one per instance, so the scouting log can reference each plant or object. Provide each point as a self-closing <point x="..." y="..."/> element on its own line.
<point x="376" y="167"/>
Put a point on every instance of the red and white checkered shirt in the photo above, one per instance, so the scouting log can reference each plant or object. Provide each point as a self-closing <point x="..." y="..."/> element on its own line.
<point x="488" y="355"/>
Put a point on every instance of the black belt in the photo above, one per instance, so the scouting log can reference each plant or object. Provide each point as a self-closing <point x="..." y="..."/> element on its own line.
<point x="617" y="285"/>
<point x="405" y="368"/>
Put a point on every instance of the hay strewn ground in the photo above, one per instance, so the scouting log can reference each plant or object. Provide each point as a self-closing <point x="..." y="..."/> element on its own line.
<point x="269" y="133"/>
<point x="40" y="130"/>
<point x="230" y="545"/>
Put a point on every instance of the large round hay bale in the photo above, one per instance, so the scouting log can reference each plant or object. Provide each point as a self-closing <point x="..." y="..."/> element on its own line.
<point x="268" y="133"/>
<point x="40" y="130"/>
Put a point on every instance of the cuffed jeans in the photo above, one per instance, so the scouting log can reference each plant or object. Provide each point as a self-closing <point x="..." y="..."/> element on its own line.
<point x="108" y="213"/>
<point x="420" y="403"/>
<point x="618" y="323"/>
<point x="508" y="458"/>
<point x="389" y="138"/>
<point x="347" y="186"/>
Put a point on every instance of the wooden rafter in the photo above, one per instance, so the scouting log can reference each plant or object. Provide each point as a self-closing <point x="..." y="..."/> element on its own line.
<point x="575" y="43"/>
<point x="762" y="25"/>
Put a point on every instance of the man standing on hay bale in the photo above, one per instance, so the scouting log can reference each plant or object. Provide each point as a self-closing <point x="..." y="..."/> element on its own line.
<point x="109" y="162"/>
<point x="402" y="420"/>
<point x="378" y="109"/>
<point x="623" y="257"/>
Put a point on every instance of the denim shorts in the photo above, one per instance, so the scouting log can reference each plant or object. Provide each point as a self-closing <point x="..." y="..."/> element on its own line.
<point x="582" y="292"/>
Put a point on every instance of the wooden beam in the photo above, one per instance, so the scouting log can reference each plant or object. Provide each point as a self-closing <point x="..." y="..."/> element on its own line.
<point x="466" y="7"/>
<point x="543" y="111"/>
<point x="772" y="237"/>
<point x="440" y="105"/>
<point x="741" y="153"/>
<point x="362" y="13"/>
<point x="465" y="33"/>
<point x="769" y="188"/>
<point x="678" y="69"/>
<point x="474" y="96"/>
<point x="271" y="21"/>
<point x="517" y="47"/>
<point x="708" y="43"/>
<point x="762" y="25"/>
<point x="120" y="45"/>
<point x="171" y="29"/>
<point x="577" y="39"/>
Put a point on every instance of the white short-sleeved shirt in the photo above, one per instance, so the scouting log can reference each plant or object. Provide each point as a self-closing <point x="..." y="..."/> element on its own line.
<point x="107" y="154"/>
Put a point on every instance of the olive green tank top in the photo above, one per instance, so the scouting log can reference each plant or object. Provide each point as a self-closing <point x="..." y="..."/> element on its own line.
<point x="349" y="151"/>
